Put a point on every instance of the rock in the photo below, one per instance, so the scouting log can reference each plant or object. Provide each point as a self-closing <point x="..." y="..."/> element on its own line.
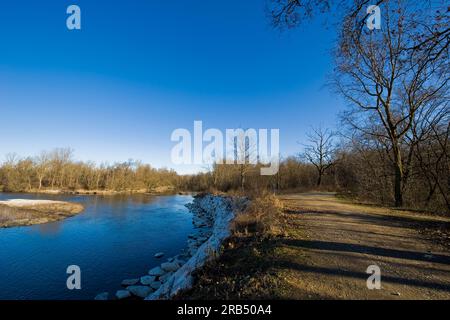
<point x="182" y="257"/>
<point x="156" y="271"/>
<point x="179" y="262"/>
<point x="218" y="211"/>
<point x="147" y="280"/>
<point x="140" y="291"/>
<point x="166" y="276"/>
<point x="155" y="285"/>
<point x="192" y="243"/>
<point x="129" y="282"/>
<point x="170" y="266"/>
<point x="159" y="255"/>
<point x="102" y="296"/>
<point x="122" y="294"/>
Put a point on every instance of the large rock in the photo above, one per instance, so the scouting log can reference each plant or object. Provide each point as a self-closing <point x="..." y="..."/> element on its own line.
<point x="166" y="276"/>
<point x="147" y="280"/>
<point x="129" y="282"/>
<point x="179" y="261"/>
<point x="155" y="285"/>
<point x="102" y="296"/>
<point x="122" y="294"/>
<point x="139" y="291"/>
<point x="170" y="266"/>
<point x="156" y="271"/>
<point x="192" y="251"/>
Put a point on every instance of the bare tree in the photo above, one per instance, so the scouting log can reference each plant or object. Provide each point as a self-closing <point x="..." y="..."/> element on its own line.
<point x="320" y="151"/>
<point x="387" y="84"/>
<point x="245" y="150"/>
<point x="42" y="167"/>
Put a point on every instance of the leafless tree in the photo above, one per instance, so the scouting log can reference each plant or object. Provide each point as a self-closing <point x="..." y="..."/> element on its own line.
<point x="387" y="84"/>
<point x="245" y="149"/>
<point x="320" y="151"/>
<point x="42" y="167"/>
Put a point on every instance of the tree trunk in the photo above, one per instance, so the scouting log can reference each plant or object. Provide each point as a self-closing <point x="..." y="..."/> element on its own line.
<point x="319" y="179"/>
<point x="398" y="182"/>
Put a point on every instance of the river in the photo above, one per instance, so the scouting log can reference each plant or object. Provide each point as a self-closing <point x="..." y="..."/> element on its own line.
<point x="115" y="238"/>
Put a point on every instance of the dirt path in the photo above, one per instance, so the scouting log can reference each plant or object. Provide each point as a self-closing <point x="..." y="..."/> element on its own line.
<point x="331" y="243"/>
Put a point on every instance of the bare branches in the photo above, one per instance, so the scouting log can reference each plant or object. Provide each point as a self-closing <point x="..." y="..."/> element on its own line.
<point x="290" y="13"/>
<point x="320" y="151"/>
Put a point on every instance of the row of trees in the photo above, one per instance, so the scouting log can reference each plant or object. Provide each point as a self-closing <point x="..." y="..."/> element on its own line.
<point x="395" y="82"/>
<point x="56" y="170"/>
<point x="358" y="166"/>
<point x="393" y="145"/>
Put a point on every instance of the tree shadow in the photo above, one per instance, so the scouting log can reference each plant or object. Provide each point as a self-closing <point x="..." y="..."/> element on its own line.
<point x="380" y="220"/>
<point x="362" y="275"/>
<point x="385" y="252"/>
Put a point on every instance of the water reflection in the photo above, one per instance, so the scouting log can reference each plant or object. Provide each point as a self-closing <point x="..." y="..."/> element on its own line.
<point x="48" y="229"/>
<point x="115" y="238"/>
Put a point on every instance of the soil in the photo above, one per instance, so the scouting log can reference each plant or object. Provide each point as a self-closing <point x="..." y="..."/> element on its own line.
<point x="339" y="240"/>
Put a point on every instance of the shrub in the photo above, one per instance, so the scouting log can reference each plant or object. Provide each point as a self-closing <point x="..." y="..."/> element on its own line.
<point x="262" y="217"/>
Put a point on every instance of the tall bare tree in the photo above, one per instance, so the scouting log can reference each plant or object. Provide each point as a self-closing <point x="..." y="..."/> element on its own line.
<point x="387" y="83"/>
<point x="42" y="167"/>
<point x="320" y="151"/>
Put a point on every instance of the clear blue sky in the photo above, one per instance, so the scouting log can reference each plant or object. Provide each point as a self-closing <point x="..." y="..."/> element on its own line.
<point x="140" y="69"/>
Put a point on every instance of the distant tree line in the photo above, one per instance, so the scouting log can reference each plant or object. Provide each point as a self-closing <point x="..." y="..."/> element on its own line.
<point x="56" y="170"/>
<point x="358" y="167"/>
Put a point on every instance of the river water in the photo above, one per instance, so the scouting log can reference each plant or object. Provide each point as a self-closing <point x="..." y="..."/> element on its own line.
<point x="115" y="238"/>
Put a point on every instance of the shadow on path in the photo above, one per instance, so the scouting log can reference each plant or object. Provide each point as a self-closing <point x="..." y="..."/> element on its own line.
<point x="363" y="276"/>
<point x="348" y="247"/>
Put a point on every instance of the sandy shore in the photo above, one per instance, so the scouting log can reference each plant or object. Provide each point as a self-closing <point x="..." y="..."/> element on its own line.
<point x="22" y="212"/>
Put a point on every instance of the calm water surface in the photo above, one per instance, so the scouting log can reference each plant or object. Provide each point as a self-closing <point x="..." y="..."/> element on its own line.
<point x="115" y="238"/>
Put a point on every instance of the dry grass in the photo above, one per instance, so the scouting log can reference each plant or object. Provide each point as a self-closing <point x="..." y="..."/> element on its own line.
<point x="245" y="270"/>
<point x="11" y="215"/>
<point x="263" y="217"/>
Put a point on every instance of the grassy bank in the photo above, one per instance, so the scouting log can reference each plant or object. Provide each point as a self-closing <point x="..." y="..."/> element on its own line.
<point x="29" y="212"/>
<point x="247" y="267"/>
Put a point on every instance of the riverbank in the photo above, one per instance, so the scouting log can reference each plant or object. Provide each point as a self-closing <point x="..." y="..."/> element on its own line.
<point x="212" y="218"/>
<point x="20" y="212"/>
<point x="168" y="190"/>
<point x="323" y="252"/>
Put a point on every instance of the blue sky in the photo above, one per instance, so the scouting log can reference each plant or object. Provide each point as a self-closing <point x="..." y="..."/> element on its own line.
<point x="139" y="69"/>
